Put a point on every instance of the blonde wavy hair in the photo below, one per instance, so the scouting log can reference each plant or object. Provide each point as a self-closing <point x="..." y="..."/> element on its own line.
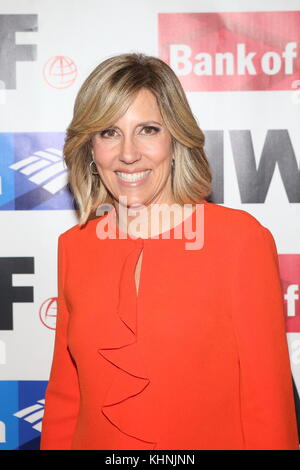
<point x="103" y="98"/>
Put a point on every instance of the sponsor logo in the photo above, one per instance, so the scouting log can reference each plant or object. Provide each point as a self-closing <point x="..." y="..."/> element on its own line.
<point x="60" y="72"/>
<point x="33" y="414"/>
<point x="10" y="52"/>
<point x="22" y="410"/>
<point x="10" y="294"/>
<point x="48" y="312"/>
<point x="290" y="281"/>
<point x="44" y="168"/>
<point x="34" y="175"/>
<point x="233" y="50"/>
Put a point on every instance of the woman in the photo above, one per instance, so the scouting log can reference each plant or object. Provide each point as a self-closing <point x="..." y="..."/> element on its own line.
<point x="161" y="342"/>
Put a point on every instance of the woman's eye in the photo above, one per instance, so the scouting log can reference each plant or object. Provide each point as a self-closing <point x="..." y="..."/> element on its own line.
<point x="107" y="133"/>
<point x="146" y="130"/>
<point x="150" y="130"/>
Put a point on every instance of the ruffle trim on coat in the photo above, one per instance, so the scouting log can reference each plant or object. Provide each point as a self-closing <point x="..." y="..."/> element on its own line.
<point x="131" y="380"/>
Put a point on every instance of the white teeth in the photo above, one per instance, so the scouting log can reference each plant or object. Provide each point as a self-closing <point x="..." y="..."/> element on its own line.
<point x="132" y="176"/>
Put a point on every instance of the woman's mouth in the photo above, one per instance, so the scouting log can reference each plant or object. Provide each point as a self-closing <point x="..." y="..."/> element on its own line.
<point x="132" y="179"/>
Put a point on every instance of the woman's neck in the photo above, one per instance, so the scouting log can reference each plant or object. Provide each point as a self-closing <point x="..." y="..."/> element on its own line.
<point x="152" y="220"/>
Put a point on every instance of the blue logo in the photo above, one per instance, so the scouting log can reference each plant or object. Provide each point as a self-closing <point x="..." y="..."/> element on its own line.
<point x="33" y="175"/>
<point x="21" y="414"/>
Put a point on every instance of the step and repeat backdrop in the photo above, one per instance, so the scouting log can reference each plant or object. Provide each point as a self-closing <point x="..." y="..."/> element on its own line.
<point x="239" y="63"/>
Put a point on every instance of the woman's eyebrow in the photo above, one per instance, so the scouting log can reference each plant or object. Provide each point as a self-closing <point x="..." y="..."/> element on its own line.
<point x="145" y="123"/>
<point x="149" y="122"/>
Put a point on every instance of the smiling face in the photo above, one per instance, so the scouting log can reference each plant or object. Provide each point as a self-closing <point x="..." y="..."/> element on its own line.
<point x="134" y="156"/>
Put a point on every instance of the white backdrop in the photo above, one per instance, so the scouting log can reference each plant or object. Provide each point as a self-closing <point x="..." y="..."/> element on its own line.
<point x="34" y="114"/>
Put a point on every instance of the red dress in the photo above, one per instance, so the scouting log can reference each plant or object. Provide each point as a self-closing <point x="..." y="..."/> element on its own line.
<point x="198" y="359"/>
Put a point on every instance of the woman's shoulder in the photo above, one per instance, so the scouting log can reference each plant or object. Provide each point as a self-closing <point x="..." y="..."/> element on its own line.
<point x="80" y="232"/>
<point x="232" y="221"/>
<point x="236" y="230"/>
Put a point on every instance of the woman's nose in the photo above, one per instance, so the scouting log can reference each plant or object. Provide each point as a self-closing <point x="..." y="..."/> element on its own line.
<point x="129" y="152"/>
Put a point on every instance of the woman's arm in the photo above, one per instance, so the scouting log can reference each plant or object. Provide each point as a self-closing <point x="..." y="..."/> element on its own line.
<point x="268" y="415"/>
<point x="62" y="394"/>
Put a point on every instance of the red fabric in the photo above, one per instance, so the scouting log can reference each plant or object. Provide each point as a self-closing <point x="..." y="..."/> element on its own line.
<point x="197" y="360"/>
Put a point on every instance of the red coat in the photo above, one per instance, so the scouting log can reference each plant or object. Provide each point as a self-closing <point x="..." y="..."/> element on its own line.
<point x="198" y="359"/>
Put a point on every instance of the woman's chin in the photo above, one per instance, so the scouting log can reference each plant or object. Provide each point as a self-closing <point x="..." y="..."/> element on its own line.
<point x="131" y="201"/>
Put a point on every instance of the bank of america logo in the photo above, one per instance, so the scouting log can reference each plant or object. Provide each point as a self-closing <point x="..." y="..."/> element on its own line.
<point x="33" y="414"/>
<point x="45" y="168"/>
